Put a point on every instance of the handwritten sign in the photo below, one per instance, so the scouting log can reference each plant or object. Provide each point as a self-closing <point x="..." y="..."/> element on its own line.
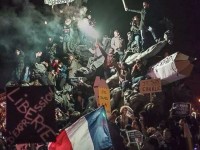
<point x="150" y="86"/>
<point x="104" y="98"/>
<point x="181" y="109"/>
<point x="30" y="114"/>
<point x="134" y="136"/>
<point x="102" y="94"/>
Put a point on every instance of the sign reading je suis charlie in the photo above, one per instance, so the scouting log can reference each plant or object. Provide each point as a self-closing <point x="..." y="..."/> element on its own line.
<point x="150" y="86"/>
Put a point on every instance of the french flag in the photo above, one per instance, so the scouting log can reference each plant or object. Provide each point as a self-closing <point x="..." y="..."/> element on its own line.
<point x="90" y="132"/>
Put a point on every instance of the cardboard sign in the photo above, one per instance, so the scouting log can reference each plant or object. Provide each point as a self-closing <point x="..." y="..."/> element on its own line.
<point x="150" y="86"/>
<point x="102" y="94"/>
<point x="134" y="136"/>
<point x="104" y="98"/>
<point x="172" y="68"/>
<point x="181" y="109"/>
<point x="30" y="114"/>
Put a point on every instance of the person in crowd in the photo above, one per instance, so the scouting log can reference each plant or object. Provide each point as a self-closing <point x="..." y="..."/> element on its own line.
<point x="169" y="141"/>
<point x="53" y="70"/>
<point x="136" y="125"/>
<point x="148" y="22"/>
<point x="150" y="143"/>
<point x="130" y="48"/>
<point x="40" y="73"/>
<point x="55" y="66"/>
<point x="66" y="33"/>
<point x="130" y="44"/>
<point x="109" y="61"/>
<point x="125" y="118"/>
<point x="62" y="76"/>
<point x="151" y="131"/>
<point x="118" y="44"/>
<point x="19" y="65"/>
<point x="135" y="24"/>
<point x="124" y="76"/>
<point x="51" y="49"/>
<point x="73" y="65"/>
<point x="144" y="121"/>
<point x="80" y="102"/>
<point x="109" y="69"/>
<point x="138" y="73"/>
<point x="35" y="57"/>
<point x="114" y="130"/>
<point x="180" y="135"/>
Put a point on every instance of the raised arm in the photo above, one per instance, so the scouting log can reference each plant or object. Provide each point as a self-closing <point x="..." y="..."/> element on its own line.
<point x="102" y="50"/>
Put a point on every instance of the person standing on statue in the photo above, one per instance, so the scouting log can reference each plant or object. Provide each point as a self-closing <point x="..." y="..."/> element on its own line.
<point x="19" y="65"/>
<point x="66" y="33"/>
<point x="118" y="44"/>
<point x="148" y="22"/>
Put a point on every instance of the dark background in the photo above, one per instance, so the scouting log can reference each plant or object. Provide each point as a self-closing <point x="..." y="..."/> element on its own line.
<point x="110" y="15"/>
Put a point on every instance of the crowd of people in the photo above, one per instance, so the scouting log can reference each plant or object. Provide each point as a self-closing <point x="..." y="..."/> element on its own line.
<point x="73" y="79"/>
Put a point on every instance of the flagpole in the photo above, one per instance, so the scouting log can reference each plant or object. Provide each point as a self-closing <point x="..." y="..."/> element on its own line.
<point x="125" y="7"/>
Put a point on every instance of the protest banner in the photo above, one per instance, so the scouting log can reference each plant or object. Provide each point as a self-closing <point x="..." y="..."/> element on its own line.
<point x="172" y="68"/>
<point x="181" y="109"/>
<point x="131" y="136"/>
<point x="104" y="99"/>
<point x="150" y="86"/>
<point x="134" y="137"/>
<point x="102" y="94"/>
<point x="30" y="114"/>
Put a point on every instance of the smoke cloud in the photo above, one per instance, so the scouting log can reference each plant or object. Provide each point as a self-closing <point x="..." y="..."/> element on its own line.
<point x="24" y="27"/>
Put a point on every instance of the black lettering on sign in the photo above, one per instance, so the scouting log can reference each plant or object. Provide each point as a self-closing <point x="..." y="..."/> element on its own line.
<point x="30" y="114"/>
<point x="103" y="98"/>
<point x="181" y="109"/>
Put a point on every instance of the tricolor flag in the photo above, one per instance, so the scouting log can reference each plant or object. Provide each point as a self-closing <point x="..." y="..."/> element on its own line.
<point x="55" y="2"/>
<point x="90" y="132"/>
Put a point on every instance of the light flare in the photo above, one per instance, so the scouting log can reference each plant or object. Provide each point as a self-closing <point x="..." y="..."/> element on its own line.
<point x="87" y="29"/>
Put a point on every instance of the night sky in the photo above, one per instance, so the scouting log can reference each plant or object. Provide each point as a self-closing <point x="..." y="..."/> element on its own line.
<point x="109" y="15"/>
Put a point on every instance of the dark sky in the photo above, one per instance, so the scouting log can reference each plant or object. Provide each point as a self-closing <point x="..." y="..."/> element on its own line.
<point x="185" y="15"/>
<point x="110" y="15"/>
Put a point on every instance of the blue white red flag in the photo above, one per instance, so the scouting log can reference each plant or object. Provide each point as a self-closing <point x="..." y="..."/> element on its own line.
<point x="90" y="132"/>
